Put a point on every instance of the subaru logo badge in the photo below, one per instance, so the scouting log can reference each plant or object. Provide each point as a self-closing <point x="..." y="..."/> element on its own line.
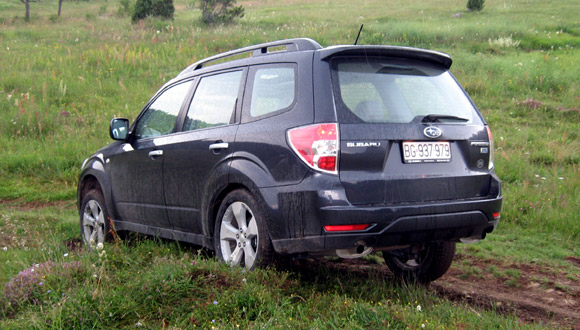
<point x="432" y="132"/>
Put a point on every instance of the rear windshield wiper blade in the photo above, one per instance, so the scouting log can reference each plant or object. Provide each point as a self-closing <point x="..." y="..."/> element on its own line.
<point x="434" y="118"/>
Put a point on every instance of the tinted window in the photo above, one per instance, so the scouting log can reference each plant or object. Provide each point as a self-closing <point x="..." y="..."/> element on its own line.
<point x="159" y="118"/>
<point x="274" y="89"/>
<point x="381" y="91"/>
<point x="214" y="101"/>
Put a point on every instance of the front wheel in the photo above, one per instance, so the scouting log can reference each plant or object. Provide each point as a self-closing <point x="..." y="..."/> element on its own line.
<point x="95" y="227"/>
<point x="241" y="236"/>
<point x="421" y="263"/>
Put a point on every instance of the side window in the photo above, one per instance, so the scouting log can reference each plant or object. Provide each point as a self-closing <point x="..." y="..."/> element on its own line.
<point x="159" y="118"/>
<point x="214" y="101"/>
<point x="274" y="89"/>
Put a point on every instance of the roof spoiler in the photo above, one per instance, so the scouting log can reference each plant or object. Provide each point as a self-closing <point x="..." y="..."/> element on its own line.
<point x="388" y="51"/>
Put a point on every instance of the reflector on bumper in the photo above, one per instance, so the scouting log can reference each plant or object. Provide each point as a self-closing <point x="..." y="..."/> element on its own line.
<point x="357" y="227"/>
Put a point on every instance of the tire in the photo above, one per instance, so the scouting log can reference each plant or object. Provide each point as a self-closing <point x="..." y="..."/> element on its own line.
<point x="422" y="265"/>
<point x="95" y="226"/>
<point x="241" y="236"/>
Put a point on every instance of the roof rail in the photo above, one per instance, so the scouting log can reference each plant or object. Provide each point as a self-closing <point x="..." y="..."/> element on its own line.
<point x="292" y="45"/>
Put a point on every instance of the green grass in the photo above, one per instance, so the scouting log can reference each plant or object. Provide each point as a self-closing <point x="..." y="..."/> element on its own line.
<point x="162" y="284"/>
<point x="63" y="79"/>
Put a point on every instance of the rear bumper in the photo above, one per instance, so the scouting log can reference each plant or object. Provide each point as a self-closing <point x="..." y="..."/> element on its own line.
<point x="301" y="217"/>
<point x="404" y="230"/>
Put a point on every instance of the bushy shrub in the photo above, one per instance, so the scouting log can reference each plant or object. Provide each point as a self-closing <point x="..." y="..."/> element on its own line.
<point x="158" y="8"/>
<point x="220" y="11"/>
<point x="125" y="8"/>
<point x="142" y="10"/>
<point x="163" y="8"/>
<point x="475" y="4"/>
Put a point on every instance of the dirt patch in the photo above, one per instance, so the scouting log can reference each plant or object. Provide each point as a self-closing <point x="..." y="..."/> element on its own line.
<point x="21" y="205"/>
<point x="568" y="109"/>
<point x="536" y="294"/>
<point x="574" y="260"/>
<point x="531" y="104"/>
<point x="74" y="244"/>
<point x="533" y="293"/>
<point x="5" y="240"/>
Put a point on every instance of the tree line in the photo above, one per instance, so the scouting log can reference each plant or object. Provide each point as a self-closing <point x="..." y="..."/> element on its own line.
<point x="212" y="11"/>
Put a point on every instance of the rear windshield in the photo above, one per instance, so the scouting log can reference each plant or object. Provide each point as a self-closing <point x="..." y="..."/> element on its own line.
<point x="379" y="90"/>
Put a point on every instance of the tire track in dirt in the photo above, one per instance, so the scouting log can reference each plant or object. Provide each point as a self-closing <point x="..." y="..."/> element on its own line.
<point x="553" y="302"/>
<point x="540" y="294"/>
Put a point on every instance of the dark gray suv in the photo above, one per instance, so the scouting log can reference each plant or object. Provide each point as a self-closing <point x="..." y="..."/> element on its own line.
<point x="288" y="147"/>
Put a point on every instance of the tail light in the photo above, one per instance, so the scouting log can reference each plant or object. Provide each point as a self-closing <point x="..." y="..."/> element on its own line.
<point x="491" y="148"/>
<point x="317" y="145"/>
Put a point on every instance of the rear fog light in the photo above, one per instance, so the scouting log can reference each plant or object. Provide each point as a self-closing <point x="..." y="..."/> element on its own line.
<point x="356" y="227"/>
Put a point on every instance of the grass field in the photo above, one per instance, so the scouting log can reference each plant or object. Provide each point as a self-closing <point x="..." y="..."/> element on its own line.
<point x="63" y="79"/>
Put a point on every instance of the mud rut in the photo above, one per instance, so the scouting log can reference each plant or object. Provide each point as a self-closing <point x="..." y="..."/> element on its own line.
<point x="540" y="295"/>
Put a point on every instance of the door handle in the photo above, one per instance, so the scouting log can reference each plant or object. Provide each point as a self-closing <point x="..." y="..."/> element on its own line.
<point x="155" y="153"/>
<point x="218" y="146"/>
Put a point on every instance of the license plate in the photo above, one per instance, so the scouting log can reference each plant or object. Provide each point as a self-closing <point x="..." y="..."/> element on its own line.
<point x="426" y="152"/>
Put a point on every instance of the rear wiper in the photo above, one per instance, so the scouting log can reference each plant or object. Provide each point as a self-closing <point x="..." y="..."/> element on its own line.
<point x="433" y="118"/>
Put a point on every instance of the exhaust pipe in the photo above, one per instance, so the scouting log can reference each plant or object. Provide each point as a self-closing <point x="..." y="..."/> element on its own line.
<point x="475" y="239"/>
<point x="359" y="250"/>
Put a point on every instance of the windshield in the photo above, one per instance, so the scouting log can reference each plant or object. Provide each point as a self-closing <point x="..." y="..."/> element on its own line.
<point x="379" y="90"/>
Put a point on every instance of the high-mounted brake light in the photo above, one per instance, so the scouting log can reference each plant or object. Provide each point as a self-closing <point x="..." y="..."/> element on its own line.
<point x="317" y="145"/>
<point x="491" y="148"/>
<point x="347" y="227"/>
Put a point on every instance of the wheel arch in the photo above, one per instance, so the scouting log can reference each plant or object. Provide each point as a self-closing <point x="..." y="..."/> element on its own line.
<point x="243" y="174"/>
<point x="93" y="177"/>
<point x="217" y="202"/>
<point x="88" y="183"/>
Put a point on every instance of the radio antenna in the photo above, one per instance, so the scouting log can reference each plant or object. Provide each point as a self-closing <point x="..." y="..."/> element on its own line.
<point x="358" y="35"/>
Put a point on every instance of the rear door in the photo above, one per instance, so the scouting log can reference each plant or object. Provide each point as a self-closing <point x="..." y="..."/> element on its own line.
<point x="409" y="134"/>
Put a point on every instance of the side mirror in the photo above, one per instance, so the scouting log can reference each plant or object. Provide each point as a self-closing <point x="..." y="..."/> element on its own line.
<point x="119" y="129"/>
